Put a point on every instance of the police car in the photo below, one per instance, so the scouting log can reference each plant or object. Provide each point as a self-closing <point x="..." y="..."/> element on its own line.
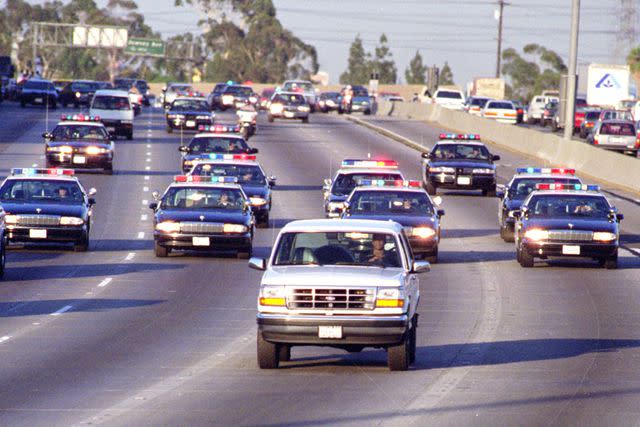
<point x="288" y="105"/>
<point x="459" y="162"/>
<point x="79" y="141"/>
<point x="520" y="186"/>
<point x="567" y="220"/>
<point x="249" y="174"/>
<point x="218" y="139"/>
<point x="188" y="113"/>
<point x="404" y="202"/>
<point x="203" y="213"/>
<point x="336" y="191"/>
<point x="348" y="284"/>
<point x="46" y="206"/>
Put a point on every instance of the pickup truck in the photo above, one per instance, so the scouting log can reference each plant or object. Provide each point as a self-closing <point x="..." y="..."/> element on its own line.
<point x="345" y="283"/>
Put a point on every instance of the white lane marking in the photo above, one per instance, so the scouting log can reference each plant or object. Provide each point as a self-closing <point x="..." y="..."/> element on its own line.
<point x="145" y="202"/>
<point x="5" y="338"/>
<point x="148" y="159"/>
<point x="627" y="251"/>
<point x="148" y="145"/>
<point x="62" y="310"/>
<point x="141" y="235"/>
<point x="105" y="282"/>
<point x="148" y="153"/>
<point x="35" y="323"/>
<point x="130" y="256"/>
<point x="144" y="217"/>
<point x="146" y="177"/>
<point x="145" y="188"/>
<point x="148" y="168"/>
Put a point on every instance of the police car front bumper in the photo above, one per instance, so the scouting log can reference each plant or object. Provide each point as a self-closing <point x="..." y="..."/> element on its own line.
<point x="28" y="234"/>
<point x="80" y="160"/>
<point x="355" y="330"/>
<point x="292" y="115"/>
<point x="570" y="249"/>
<point x="241" y="241"/>
<point x="463" y="181"/>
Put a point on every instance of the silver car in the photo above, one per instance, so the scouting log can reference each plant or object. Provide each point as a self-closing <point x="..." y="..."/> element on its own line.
<point x="620" y="135"/>
<point x="304" y="87"/>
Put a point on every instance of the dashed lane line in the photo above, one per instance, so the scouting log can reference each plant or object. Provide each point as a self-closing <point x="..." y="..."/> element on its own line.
<point x="62" y="310"/>
<point x="105" y="282"/>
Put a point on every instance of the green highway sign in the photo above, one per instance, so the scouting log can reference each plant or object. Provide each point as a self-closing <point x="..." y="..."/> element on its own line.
<point x="147" y="47"/>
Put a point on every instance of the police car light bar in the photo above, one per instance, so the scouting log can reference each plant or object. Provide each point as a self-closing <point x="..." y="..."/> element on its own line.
<point x="567" y="187"/>
<point x="203" y="178"/>
<point x="463" y="136"/>
<point x="79" y="118"/>
<point x="554" y="171"/>
<point x="218" y="156"/>
<point x="41" y="171"/>
<point x="388" y="183"/>
<point x="358" y="163"/>
<point x="219" y="128"/>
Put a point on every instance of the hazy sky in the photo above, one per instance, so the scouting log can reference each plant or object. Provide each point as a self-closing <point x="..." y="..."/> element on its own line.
<point x="462" y="32"/>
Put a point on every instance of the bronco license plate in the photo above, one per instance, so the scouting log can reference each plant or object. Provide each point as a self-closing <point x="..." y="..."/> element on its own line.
<point x="334" y="332"/>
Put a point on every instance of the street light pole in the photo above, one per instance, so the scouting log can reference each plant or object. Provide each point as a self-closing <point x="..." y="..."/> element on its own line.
<point x="571" y="78"/>
<point x="501" y="4"/>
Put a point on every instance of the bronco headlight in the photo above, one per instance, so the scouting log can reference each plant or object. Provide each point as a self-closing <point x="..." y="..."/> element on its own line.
<point x="78" y="94"/>
<point x="604" y="236"/>
<point x="423" y="232"/>
<point x="235" y="228"/>
<point x="483" y="171"/>
<point x="71" y="220"/>
<point x="390" y="298"/>
<point x="536" y="234"/>
<point x="257" y="201"/>
<point x="272" y="296"/>
<point x="168" y="227"/>
<point x="441" y="169"/>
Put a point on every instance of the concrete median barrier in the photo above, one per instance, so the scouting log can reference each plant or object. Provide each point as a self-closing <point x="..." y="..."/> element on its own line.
<point x="608" y="166"/>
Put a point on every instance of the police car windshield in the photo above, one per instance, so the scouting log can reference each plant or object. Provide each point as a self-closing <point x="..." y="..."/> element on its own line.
<point x="346" y="182"/>
<point x="338" y="248"/>
<point x="461" y="152"/>
<point x="307" y="87"/>
<point x="41" y="191"/>
<point x="289" y="98"/>
<point x="103" y="102"/>
<point x="391" y="203"/>
<point x="192" y="198"/>
<point x="217" y="144"/>
<point x="246" y="174"/>
<point x="69" y="132"/>
<point x="189" y="105"/>
<point x="522" y="187"/>
<point x="569" y="206"/>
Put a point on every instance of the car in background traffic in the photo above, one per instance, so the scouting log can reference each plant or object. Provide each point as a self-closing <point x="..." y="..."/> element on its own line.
<point x="214" y="100"/>
<point x="236" y="96"/>
<point x="115" y="110"/>
<point x="173" y="90"/>
<point x="218" y="139"/>
<point x="500" y="111"/>
<point x="265" y="97"/>
<point x="537" y="107"/>
<point x="475" y="104"/>
<point x="304" y="87"/>
<point x="78" y="92"/>
<point x="38" y="92"/>
<point x="549" y="112"/>
<point x="587" y="125"/>
<point x="328" y="101"/>
<point x="288" y="105"/>
<point x="449" y="98"/>
<point x="618" y="135"/>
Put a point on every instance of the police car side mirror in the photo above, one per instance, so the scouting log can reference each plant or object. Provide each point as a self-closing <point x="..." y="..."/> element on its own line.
<point x="183" y="149"/>
<point x="619" y="216"/>
<point x="495" y="158"/>
<point x="421" y="267"/>
<point x="153" y="205"/>
<point x="501" y="190"/>
<point x="91" y="201"/>
<point x="258" y="263"/>
<point x="272" y="181"/>
<point x="440" y="212"/>
<point x="92" y="192"/>
<point x="47" y="135"/>
<point x="327" y="184"/>
<point x="346" y="206"/>
<point x="252" y="151"/>
<point x="155" y="195"/>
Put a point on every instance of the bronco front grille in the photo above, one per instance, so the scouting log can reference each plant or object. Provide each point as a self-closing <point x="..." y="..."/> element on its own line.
<point x="331" y="298"/>
<point x="570" y="236"/>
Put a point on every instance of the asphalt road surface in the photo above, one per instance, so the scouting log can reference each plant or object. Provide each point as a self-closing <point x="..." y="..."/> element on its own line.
<point x="116" y="336"/>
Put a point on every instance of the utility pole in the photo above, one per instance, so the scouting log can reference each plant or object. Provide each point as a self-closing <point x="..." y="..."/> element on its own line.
<point x="499" y="13"/>
<point x="571" y="78"/>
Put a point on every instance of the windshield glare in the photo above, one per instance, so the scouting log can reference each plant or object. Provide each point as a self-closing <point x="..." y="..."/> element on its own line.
<point x="338" y="248"/>
<point x="391" y="203"/>
<point x="246" y="174"/>
<point x="461" y="151"/>
<point x="218" y="144"/>
<point x="346" y="182"/>
<point x="203" y="198"/>
<point x="569" y="206"/>
<point x="41" y="191"/>
<point x="522" y="187"/>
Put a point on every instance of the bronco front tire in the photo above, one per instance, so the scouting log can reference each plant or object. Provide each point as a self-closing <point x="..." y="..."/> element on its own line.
<point x="268" y="354"/>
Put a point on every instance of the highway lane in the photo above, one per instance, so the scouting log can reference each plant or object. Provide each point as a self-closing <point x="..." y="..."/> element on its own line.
<point x="172" y="341"/>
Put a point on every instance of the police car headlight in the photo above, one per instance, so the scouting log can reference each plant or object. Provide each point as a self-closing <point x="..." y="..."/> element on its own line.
<point x="203" y="117"/>
<point x="71" y="220"/>
<point x="78" y="94"/>
<point x="189" y="162"/>
<point x="168" y="227"/>
<point x="171" y="116"/>
<point x="253" y="99"/>
<point x="334" y="206"/>
<point x="92" y="151"/>
<point x="60" y="149"/>
<point x="441" y="169"/>
<point x="483" y="171"/>
<point x="227" y="99"/>
<point x="390" y="298"/>
<point x="604" y="236"/>
<point x="276" y="108"/>
<point x="536" y="234"/>
<point x="272" y="296"/>
<point x="235" y="228"/>
<point x="257" y="201"/>
<point x="126" y="122"/>
<point x="423" y="232"/>
<point x="11" y="219"/>
<point x="304" y="108"/>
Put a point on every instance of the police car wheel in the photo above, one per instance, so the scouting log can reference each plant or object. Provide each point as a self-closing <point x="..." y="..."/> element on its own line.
<point x="432" y="257"/>
<point x="305" y="120"/>
<point x="526" y="260"/>
<point x="284" y="353"/>
<point x="108" y="170"/>
<point x="611" y="263"/>
<point x="490" y="192"/>
<point x="398" y="355"/>
<point x="245" y="253"/>
<point x="23" y="104"/>
<point x="431" y="189"/>
<point x="161" y="251"/>
<point x="169" y="129"/>
<point x="413" y="339"/>
<point x="82" y="245"/>
<point x="267" y="353"/>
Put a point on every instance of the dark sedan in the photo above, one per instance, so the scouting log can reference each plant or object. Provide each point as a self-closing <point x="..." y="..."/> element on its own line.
<point x="38" y="92"/>
<point x="188" y="114"/>
<point x="78" y="92"/>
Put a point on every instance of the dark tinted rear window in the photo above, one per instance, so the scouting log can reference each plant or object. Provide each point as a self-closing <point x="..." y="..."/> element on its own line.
<point x="621" y="129"/>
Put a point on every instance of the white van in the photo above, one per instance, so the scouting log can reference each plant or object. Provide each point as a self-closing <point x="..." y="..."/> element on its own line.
<point x="449" y="98"/>
<point x="536" y="107"/>
<point x="115" y="111"/>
